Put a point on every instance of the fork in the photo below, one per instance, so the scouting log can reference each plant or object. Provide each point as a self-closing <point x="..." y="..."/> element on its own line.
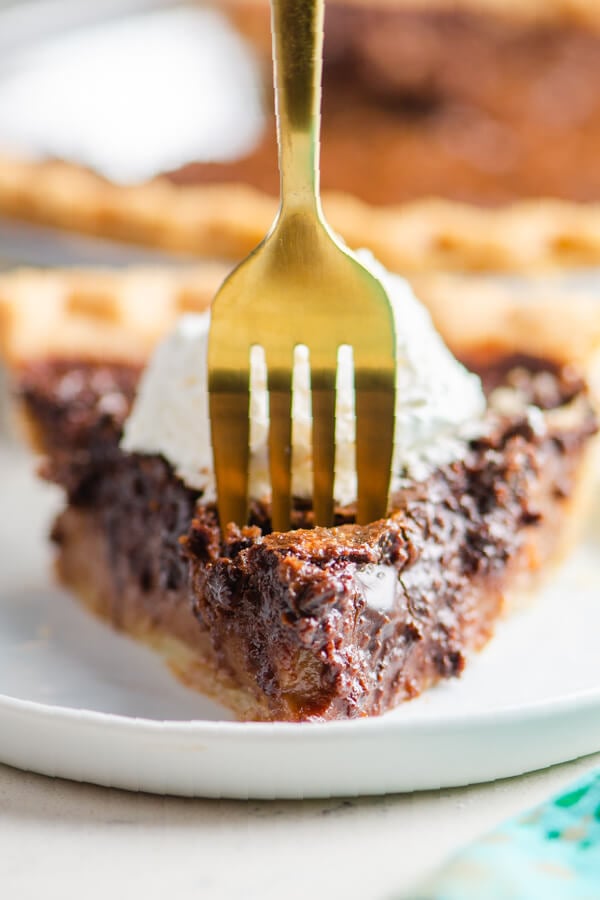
<point x="301" y="286"/>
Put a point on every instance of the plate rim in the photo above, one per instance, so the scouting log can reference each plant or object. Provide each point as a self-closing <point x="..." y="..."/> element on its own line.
<point x="287" y="761"/>
<point x="528" y="713"/>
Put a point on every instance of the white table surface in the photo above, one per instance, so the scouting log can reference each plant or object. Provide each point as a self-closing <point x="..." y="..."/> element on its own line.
<point x="60" y="840"/>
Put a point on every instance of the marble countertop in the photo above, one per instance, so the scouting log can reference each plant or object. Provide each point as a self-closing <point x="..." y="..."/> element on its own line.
<point x="62" y="840"/>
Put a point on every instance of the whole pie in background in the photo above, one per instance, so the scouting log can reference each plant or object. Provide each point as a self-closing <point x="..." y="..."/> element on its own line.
<point x="472" y="100"/>
<point x="455" y="135"/>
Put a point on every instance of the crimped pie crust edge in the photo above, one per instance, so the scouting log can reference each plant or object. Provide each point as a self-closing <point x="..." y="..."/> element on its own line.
<point x="226" y="221"/>
<point x="121" y="315"/>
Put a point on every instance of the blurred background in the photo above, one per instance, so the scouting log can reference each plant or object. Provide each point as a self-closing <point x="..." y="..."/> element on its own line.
<point x="127" y="89"/>
<point x="130" y="89"/>
<point x="470" y="100"/>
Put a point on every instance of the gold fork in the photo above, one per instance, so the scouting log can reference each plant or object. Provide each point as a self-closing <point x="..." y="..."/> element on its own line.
<point x="301" y="286"/>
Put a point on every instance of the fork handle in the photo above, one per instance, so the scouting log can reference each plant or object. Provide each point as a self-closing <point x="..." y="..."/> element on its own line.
<point x="297" y="27"/>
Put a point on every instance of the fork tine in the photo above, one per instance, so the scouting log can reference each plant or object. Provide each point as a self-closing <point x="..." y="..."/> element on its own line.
<point x="280" y="441"/>
<point x="230" y="426"/>
<point x="375" y="421"/>
<point x="323" y="380"/>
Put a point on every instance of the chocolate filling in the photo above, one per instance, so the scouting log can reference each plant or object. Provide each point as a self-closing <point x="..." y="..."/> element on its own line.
<point x="527" y="125"/>
<point x="315" y="623"/>
<point x="78" y="410"/>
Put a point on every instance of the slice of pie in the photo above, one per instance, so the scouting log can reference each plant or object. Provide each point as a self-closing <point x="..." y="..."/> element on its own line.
<point x="314" y="624"/>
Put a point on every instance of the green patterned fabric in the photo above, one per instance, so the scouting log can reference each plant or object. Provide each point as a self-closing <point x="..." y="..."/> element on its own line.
<point x="549" y="853"/>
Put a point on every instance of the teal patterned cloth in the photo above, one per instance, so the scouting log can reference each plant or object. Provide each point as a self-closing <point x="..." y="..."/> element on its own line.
<point x="549" y="853"/>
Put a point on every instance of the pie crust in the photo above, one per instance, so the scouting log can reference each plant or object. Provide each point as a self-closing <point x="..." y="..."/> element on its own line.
<point x="96" y="314"/>
<point x="100" y="314"/>
<point x="226" y="221"/>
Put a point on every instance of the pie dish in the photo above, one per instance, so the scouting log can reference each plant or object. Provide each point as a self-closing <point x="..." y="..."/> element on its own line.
<point x="316" y="623"/>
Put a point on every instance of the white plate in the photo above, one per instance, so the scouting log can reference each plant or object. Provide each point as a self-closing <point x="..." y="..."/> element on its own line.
<point x="80" y="702"/>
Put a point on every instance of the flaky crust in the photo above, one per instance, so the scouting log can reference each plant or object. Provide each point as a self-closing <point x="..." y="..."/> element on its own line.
<point x="537" y="317"/>
<point x="226" y="221"/>
<point x="94" y="314"/>
<point x="120" y="315"/>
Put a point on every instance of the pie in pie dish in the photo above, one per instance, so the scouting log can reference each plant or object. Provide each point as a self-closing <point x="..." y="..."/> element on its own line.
<point x="401" y="71"/>
<point x="316" y="623"/>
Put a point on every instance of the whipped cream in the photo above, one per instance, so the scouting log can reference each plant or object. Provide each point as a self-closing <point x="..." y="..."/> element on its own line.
<point x="439" y="404"/>
<point x="134" y="97"/>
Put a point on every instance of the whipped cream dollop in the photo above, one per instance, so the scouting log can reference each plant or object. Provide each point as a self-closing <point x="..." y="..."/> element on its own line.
<point x="439" y="404"/>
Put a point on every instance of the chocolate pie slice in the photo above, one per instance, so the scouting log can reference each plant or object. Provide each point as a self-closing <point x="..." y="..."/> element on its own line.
<point x="314" y="624"/>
